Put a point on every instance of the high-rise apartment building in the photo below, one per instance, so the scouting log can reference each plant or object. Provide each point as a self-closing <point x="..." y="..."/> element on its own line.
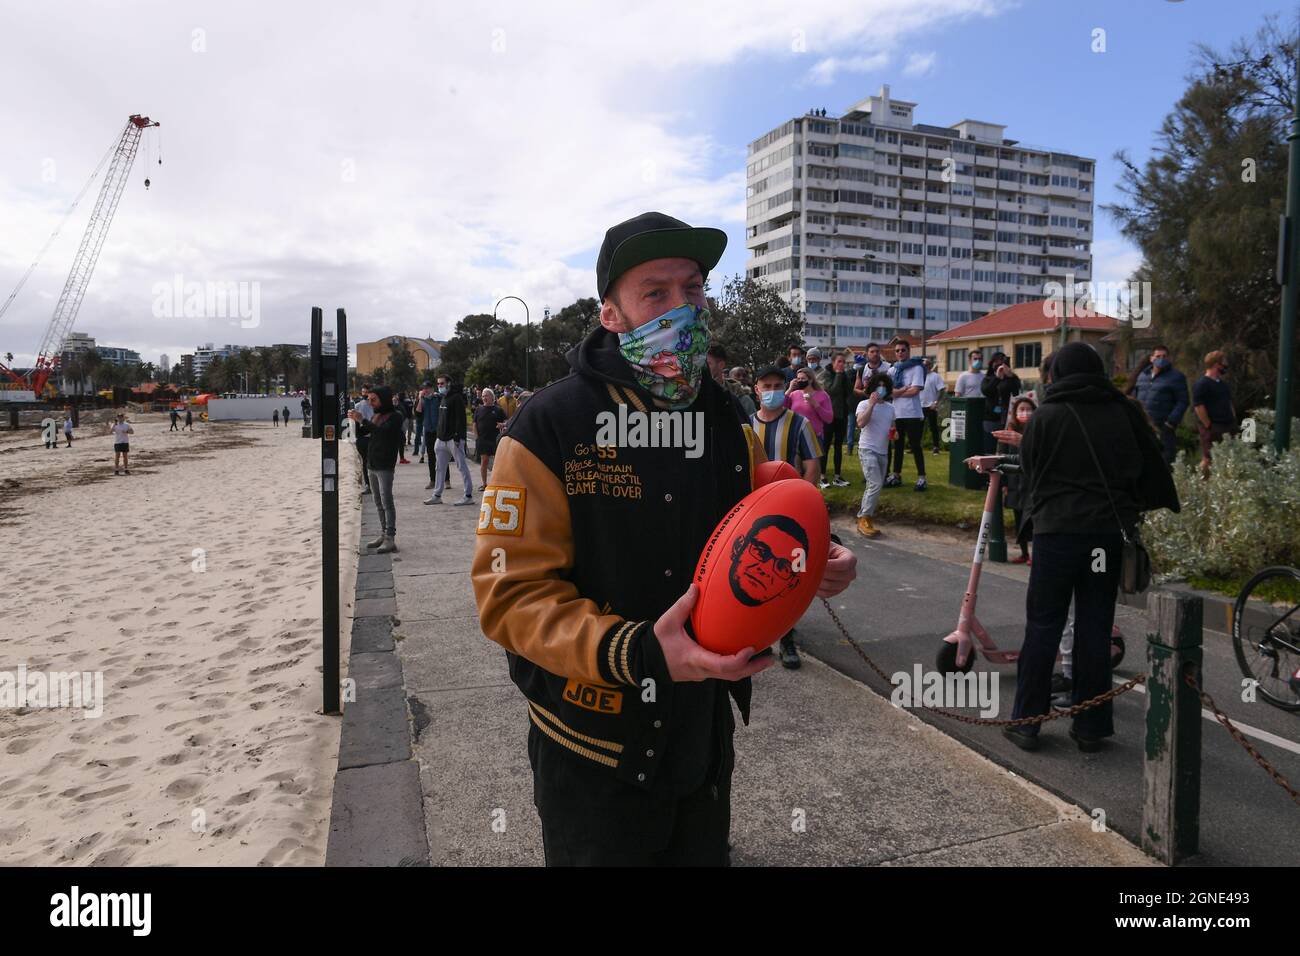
<point x="854" y="219"/>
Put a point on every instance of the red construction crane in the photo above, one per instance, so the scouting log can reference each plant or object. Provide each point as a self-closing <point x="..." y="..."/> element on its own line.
<point x="121" y="157"/>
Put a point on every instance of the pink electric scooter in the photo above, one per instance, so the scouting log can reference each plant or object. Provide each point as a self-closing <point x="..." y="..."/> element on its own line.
<point x="957" y="652"/>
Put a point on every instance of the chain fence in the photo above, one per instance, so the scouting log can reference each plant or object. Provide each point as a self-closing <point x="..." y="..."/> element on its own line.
<point x="1055" y="714"/>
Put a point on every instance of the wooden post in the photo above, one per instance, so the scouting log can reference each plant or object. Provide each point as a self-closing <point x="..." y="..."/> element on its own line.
<point x="1171" y="776"/>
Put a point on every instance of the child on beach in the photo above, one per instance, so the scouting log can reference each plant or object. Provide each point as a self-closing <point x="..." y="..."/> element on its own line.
<point x="67" y="430"/>
<point x="275" y="417"/>
<point x="121" y="443"/>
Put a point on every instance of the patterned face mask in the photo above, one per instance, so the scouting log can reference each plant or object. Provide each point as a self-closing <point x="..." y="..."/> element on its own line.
<point x="668" y="353"/>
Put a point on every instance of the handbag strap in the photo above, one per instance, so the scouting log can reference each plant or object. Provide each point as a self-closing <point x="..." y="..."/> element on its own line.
<point x="1100" y="474"/>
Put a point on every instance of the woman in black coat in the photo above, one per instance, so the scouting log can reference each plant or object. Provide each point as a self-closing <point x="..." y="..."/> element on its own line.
<point x="1077" y="501"/>
<point x="385" y="434"/>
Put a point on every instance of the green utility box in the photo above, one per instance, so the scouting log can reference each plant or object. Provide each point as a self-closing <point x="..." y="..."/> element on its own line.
<point x="965" y="438"/>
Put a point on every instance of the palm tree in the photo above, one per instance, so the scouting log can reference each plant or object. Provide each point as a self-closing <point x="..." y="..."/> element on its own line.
<point x="91" y="362"/>
<point x="75" y="371"/>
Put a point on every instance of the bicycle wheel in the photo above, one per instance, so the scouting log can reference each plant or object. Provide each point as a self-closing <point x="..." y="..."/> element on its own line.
<point x="1266" y="637"/>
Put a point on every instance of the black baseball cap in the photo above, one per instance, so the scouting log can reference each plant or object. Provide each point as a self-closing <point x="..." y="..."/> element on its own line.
<point x="652" y="235"/>
<point x="767" y="370"/>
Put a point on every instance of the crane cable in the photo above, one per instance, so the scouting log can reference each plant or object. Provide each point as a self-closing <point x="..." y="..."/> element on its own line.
<point x="54" y="235"/>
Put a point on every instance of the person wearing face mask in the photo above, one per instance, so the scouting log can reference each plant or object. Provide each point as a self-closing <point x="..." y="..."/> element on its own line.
<point x="1162" y="390"/>
<point x="794" y="361"/>
<point x="630" y="737"/>
<point x="969" y="382"/>
<point x="450" y="443"/>
<point x="1212" y="403"/>
<point x="806" y="397"/>
<point x="1013" y="492"/>
<point x="875" y="415"/>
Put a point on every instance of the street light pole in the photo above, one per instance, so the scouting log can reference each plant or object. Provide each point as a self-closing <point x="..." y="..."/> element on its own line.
<point x="1289" y="274"/>
<point x="527" y="329"/>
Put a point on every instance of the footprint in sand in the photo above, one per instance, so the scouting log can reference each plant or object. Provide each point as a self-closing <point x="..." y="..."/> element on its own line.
<point x="21" y="745"/>
<point x="182" y="788"/>
<point x="95" y="794"/>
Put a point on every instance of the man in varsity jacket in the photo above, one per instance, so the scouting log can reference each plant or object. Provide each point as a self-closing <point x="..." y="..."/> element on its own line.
<point x="589" y="533"/>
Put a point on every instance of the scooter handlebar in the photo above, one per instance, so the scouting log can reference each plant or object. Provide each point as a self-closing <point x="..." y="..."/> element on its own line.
<point x="1005" y="464"/>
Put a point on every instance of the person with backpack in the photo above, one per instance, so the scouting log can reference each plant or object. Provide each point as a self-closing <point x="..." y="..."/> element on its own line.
<point x="1090" y="465"/>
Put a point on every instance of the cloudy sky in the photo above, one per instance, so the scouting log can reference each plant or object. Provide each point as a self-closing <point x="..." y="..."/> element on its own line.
<point x="415" y="161"/>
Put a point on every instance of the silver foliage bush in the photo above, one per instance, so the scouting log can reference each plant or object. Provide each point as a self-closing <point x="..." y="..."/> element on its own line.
<point x="1245" y="516"/>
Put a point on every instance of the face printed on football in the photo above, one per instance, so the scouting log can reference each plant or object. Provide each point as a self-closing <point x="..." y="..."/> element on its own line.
<point x="764" y="559"/>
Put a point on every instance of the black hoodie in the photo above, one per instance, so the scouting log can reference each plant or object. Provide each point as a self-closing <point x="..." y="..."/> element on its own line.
<point x="1063" y="485"/>
<point x="384" y="431"/>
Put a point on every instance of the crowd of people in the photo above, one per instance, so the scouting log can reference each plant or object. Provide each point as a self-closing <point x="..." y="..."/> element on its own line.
<point x="434" y="424"/>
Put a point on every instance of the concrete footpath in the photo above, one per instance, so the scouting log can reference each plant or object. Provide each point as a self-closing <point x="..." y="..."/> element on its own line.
<point x="827" y="773"/>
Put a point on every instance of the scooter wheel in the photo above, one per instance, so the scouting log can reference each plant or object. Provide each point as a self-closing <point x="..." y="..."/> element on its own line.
<point x="945" y="662"/>
<point x="1117" y="649"/>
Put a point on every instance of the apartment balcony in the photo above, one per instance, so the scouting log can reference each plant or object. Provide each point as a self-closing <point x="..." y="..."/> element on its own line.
<point x="917" y="151"/>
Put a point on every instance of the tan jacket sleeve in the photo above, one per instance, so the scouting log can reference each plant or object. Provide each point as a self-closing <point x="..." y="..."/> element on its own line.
<point x="525" y="544"/>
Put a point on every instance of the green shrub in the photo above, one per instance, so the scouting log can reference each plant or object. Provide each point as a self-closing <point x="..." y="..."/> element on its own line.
<point x="1245" y="516"/>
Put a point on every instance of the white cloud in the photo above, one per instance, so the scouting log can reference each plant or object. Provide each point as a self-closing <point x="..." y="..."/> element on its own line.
<point x="919" y="64"/>
<point x="491" y="148"/>
<point x="823" y="73"/>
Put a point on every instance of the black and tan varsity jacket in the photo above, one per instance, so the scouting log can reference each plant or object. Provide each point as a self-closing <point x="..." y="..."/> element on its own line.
<point x="582" y="546"/>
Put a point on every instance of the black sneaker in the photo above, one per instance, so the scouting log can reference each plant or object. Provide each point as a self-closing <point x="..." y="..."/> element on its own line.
<point x="789" y="653"/>
<point x="1061" y="684"/>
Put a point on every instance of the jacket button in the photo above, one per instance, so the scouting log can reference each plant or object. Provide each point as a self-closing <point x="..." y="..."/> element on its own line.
<point x="658" y="724"/>
<point x="740" y="467"/>
<point x="668" y="497"/>
<point x="668" y="573"/>
<point x="640" y="778"/>
<point x="649" y="753"/>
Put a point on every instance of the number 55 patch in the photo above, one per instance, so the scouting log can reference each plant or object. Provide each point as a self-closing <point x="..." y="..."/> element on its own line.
<point x="502" y="511"/>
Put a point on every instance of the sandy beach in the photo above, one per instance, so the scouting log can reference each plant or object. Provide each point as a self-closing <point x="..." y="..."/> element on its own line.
<point x="193" y="585"/>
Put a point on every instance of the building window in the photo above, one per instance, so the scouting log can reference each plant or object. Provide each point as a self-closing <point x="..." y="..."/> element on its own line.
<point x="1029" y="355"/>
<point x="957" y="360"/>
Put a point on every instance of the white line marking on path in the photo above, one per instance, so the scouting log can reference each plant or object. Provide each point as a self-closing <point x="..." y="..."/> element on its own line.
<point x="1246" y="729"/>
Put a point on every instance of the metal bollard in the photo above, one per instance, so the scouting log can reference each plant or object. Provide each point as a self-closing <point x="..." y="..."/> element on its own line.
<point x="1171" y="773"/>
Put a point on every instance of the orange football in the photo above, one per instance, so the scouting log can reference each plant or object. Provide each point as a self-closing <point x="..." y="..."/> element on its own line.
<point x="771" y="471"/>
<point x="761" y="567"/>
